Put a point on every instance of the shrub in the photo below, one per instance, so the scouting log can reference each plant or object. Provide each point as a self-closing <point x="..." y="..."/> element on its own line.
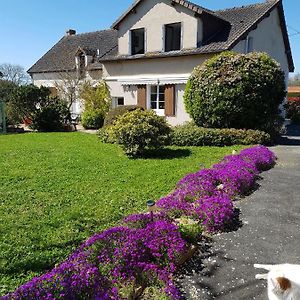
<point x="293" y="111"/>
<point x="26" y="101"/>
<point x="92" y="119"/>
<point x="51" y="117"/>
<point x="236" y="91"/>
<point x="97" y="102"/>
<point x="138" y="130"/>
<point x="114" y="113"/>
<point x="192" y="135"/>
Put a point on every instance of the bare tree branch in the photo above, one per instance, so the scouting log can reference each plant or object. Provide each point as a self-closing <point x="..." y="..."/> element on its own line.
<point x="14" y="73"/>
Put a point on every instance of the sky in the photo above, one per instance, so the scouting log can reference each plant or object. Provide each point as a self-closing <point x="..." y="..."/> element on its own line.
<point x="28" y="29"/>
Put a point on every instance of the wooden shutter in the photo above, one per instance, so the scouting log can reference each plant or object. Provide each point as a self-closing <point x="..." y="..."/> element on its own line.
<point x="142" y="96"/>
<point x="170" y="100"/>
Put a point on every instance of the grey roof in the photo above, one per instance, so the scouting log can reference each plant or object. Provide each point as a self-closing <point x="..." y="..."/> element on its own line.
<point x="61" y="57"/>
<point x="239" y="22"/>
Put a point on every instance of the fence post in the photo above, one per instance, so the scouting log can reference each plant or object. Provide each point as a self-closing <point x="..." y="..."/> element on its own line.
<point x="2" y="104"/>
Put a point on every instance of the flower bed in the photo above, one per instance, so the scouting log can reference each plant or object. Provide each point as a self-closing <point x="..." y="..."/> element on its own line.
<point x="147" y="249"/>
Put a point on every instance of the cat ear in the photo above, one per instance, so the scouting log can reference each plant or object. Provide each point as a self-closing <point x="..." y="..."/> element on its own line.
<point x="261" y="276"/>
<point x="266" y="267"/>
<point x="284" y="283"/>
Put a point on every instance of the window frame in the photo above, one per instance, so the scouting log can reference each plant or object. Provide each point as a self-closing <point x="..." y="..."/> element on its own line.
<point x="131" y="47"/>
<point x="165" y="36"/>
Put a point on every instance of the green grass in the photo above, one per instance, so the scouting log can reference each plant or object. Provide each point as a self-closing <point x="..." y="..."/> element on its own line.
<point x="58" y="189"/>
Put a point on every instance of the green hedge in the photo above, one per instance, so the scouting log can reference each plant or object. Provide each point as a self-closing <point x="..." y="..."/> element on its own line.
<point x="192" y="135"/>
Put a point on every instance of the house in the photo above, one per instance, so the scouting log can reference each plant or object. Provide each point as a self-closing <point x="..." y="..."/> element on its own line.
<point x="294" y="93"/>
<point x="149" y="53"/>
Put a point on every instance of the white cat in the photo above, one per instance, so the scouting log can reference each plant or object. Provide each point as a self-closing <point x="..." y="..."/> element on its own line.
<point x="283" y="281"/>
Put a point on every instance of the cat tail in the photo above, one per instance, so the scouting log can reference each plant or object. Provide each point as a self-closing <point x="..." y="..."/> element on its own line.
<point x="266" y="267"/>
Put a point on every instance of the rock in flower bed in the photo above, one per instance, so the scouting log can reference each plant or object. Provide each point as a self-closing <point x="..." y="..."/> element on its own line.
<point x="147" y="248"/>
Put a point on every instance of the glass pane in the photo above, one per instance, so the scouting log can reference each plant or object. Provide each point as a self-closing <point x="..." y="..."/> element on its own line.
<point x="153" y="105"/>
<point x="172" y="37"/>
<point x="161" y="105"/>
<point x="162" y="97"/>
<point x="138" y="41"/>
<point x="153" y="89"/>
<point x="161" y="89"/>
<point x="153" y="98"/>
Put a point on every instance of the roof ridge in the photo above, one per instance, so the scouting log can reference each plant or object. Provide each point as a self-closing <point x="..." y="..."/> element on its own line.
<point x="85" y="33"/>
<point x="247" y="6"/>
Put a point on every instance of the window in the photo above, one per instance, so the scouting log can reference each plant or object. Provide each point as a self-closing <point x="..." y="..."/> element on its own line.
<point x="138" y="41"/>
<point x="157" y="98"/>
<point x="172" y="37"/>
<point x="81" y="65"/>
<point x="120" y="101"/>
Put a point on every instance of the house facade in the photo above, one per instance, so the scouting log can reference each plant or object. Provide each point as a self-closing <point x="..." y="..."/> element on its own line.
<point x="149" y="53"/>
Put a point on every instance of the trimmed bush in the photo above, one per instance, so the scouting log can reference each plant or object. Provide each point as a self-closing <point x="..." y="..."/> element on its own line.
<point x="114" y="113"/>
<point x="234" y="90"/>
<point x="92" y="119"/>
<point x="51" y="117"/>
<point x="138" y="130"/>
<point x="192" y="135"/>
<point x="293" y="111"/>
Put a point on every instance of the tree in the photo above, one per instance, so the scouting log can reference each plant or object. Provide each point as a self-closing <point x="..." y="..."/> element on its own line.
<point x="68" y="86"/>
<point x="6" y="88"/>
<point x="234" y="90"/>
<point x="97" y="102"/>
<point x="295" y="81"/>
<point x="35" y="103"/>
<point x="14" y="73"/>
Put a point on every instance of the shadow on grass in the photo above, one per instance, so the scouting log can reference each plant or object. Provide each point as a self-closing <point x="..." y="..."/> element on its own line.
<point x="166" y="153"/>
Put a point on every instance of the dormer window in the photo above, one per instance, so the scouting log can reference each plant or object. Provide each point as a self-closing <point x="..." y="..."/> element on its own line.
<point x="138" y="41"/>
<point x="172" y="37"/>
<point x="81" y="65"/>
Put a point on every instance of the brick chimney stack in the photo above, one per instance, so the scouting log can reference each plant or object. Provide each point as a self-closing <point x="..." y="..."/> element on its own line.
<point x="70" y="32"/>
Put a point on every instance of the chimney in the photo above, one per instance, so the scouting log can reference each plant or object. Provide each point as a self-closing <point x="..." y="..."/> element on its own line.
<point x="70" y="32"/>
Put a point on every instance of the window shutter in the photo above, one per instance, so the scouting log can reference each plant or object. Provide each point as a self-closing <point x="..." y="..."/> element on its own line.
<point x="142" y="96"/>
<point x="170" y="100"/>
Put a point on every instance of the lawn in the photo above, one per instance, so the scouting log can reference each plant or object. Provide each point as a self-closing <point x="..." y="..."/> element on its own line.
<point x="58" y="189"/>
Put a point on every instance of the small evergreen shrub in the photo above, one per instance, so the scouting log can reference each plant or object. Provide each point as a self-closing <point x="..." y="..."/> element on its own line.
<point x="51" y="117"/>
<point x="234" y="90"/>
<point x="293" y="111"/>
<point x="138" y="130"/>
<point x="192" y="135"/>
<point x="114" y="113"/>
<point x="92" y="119"/>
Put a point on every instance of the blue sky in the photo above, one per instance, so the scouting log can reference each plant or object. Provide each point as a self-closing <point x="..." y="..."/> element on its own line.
<point x="30" y="28"/>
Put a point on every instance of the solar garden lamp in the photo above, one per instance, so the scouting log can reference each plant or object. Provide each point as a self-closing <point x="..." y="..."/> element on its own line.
<point x="151" y="207"/>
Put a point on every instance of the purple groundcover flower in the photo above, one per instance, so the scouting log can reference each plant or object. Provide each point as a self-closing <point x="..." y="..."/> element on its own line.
<point x="215" y="212"/>
<point x="261" y="156"/>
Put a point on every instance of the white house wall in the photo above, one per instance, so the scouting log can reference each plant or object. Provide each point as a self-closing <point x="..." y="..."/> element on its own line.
<point x="153" y="15"/>
<point x="151" y="67"/>
<point x="267" y="37"/>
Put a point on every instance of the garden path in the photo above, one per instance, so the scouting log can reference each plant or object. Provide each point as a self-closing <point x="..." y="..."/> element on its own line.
<point x="270" y="235"/>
